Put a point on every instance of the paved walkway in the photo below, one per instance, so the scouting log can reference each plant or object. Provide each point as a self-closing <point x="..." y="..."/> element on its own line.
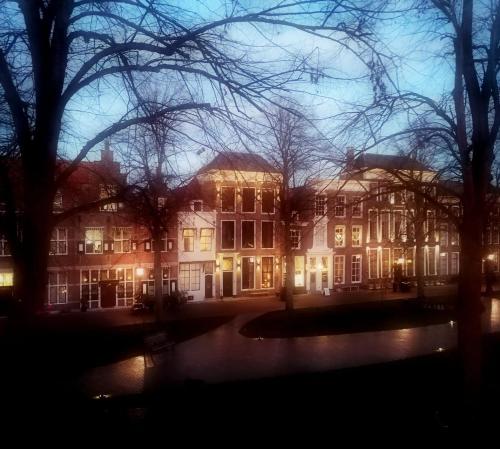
<point x="224" y="355"/>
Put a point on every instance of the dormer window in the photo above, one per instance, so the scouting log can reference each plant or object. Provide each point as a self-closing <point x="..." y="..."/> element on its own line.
<point x="58" y="200"/>
<point x="108" y="191"/>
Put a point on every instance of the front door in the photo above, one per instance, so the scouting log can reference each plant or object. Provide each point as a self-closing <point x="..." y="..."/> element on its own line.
<point x="108" y="295"/>
<point x="208" y="285"/>
<point x="227" y="283"/>
<point x="313" y="281"/>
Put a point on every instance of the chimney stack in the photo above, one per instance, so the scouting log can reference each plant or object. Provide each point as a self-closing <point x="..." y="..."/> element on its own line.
<point x="106" y="154"/>
<point x="349" y="157"/>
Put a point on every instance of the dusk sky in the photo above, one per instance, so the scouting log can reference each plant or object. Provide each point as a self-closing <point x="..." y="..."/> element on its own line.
<point x="416" y="58"/>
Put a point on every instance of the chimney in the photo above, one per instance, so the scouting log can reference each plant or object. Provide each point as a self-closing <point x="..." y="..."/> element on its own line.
<point x="106" y="154"/>
<point x="349" y="157"/>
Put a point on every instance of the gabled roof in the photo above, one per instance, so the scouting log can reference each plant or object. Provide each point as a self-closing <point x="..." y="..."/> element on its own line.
<point x="239" y="162"/>
<point x="388" y="162"/>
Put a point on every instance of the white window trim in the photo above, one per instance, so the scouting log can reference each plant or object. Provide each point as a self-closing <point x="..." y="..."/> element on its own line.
<point x="254" y="200"/>
<point x="359" y="204"/>
<point x="261" y="196"/>
<point x="57" y="240"/>
<point x="382" y="263"/>
<point x="102" y="239"/>
<point x="3" y="244"/>
<point x="369" y="237"/>
<point x="262" y="233"/>
<point x="234" y="200"/>
<point x="340" y="205"/>
<point x="299" y="235"/>
<point x="458" y="262"/>
<point x="211" y="239"/>
<point x="384" y="213"/>
<point x="254" y="235"/>
<point x="121" y="229"/>
<point x="443" y="256"/>
<point x="342" y="257"/>
<point x="343" y="228"/>
<point x="234" y="229"/>
<point x="262" y="273"/>
<point x="360" y="268"/>
<point x="254" y="272"/>
<point x="65" y="285"/>
<point x="360" y="236"/>
<point x="369" y="252"/>
<point x="185" y="237"/>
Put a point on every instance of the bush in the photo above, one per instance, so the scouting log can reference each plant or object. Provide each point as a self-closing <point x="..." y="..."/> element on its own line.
<point x="176" y="298"/>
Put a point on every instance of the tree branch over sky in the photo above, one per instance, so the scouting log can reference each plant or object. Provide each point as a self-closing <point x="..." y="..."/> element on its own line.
<point x="71" y="71"/>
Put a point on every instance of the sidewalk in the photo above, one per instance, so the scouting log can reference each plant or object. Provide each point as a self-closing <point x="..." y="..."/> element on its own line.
<point x="224" y="355"/>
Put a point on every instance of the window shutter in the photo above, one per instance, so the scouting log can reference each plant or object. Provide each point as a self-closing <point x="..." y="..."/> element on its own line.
<point x="134" y="245"/>
<point x="147" y="245"/>
<point x="81" y="247"/>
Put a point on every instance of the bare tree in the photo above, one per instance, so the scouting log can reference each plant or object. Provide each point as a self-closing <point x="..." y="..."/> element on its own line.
<point x="463" y="125"/>
<point x="56" y="56"/>
<point x="292" y="146"/>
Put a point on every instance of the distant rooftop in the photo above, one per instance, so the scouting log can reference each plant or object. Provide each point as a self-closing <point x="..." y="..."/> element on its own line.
<point x="239" y="162"/>
<point x="388" y="162"/>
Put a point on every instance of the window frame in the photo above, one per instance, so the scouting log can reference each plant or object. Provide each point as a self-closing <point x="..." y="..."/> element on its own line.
<point x="222" y="234"/>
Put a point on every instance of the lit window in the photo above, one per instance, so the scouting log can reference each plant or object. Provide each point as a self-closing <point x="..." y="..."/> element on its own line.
<point x="206" y="237"/>
<point x="356" y="235"/>
<point x="93" y="240"/>
<point x="267" y="272"/>
<point x="188" y="237"/>
<point x="6" y="279"/>
<point x="340" y="236"/>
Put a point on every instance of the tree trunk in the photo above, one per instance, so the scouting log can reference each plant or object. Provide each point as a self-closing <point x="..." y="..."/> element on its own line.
<point x="158" y="275"/>
<point x="470" y="309"/>
<point x="420" y="212"/>
<point x="33" y="261"/>
<point x="289" y="281"/>
<point x="287" y="244"/>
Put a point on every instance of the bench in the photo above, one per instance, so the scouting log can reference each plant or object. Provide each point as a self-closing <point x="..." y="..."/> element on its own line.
<point x="159" y="342"/>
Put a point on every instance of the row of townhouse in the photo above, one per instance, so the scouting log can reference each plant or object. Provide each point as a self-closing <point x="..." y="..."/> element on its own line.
<point x="358" y="227"/>
<point x="227" y="239"/>
<point x="223" y="242"/>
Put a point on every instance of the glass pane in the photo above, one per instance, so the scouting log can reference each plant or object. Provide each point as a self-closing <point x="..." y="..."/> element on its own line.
<point x="227" y="264"/>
